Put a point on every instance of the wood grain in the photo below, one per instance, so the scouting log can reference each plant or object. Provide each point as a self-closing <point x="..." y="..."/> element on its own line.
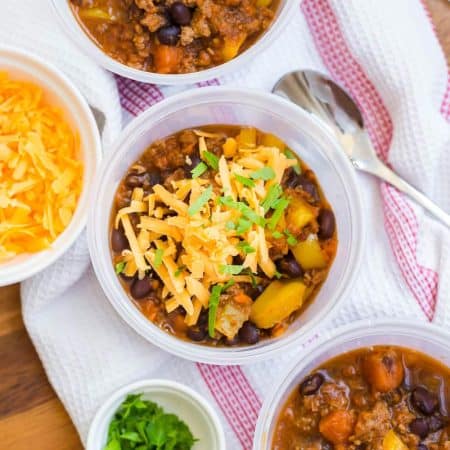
<point x="31" y="416"/>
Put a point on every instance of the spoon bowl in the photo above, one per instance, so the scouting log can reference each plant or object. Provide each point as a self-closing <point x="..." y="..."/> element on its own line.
<point x="320" y="96"/>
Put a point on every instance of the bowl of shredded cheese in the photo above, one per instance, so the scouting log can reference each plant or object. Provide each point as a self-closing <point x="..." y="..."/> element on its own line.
<point x="198" y="239"/>
<point x="49" y="152"/>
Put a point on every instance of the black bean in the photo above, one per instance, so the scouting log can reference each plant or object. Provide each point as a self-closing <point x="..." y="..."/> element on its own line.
<point x="326" y="446"/>
<point x="422" y="447"/>
<point x="436" y="423"/>
<point x="419" y="427"/>
<point x="327" y="223"/>
<point x="255" y="291"/>
<point x="196" y="334"/>
<point x="289" y="266"/>
<point x="249" y="333"/>
<point x="180" y="13"/>
<point x="203" y="319"/>
<point x="232" y="342"/>
<point x="119" y="241"/>
<point x="195" y="161"/>
<point x="424" y="401"/>
<point x="169" y="35"/>
<point x="311" y="384"/>
<point x="134" y="180"/>
<point x="294" y="180"/>
<point x="154" y="177"/>
<point x="140" y="288"/>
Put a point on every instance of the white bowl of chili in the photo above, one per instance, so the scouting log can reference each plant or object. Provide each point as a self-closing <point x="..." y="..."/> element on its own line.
<point x="190" y="409"/>
<point x="80" y="37"/>
<point x="58" y="119"/>
<point x="303" y="134"/>
<point x="427" y="339"/>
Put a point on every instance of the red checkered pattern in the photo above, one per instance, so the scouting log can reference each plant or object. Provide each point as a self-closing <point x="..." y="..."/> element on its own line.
<point x="136" y="97"/>
<point x="228" y="385"/>
<point x="400" y="221"/>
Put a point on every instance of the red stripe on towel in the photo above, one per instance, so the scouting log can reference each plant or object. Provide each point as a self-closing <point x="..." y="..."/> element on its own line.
<point x="400" y="221"/>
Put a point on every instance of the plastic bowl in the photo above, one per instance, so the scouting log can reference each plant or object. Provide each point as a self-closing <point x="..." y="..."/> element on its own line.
<point x="59" y="91"/>
<point x="174" y="398"/>
<point x="426" y="338"/>
<point x="302" y="133"/>
<point x="72" y="27"/>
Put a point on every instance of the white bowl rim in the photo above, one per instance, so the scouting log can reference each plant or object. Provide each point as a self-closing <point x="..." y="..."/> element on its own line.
<point x="27" y="268"/>
<point x="89" y="48"/>
<point x="106" y="408"/>
<point x="204" y="353"/>
<point x="327" y="339"/>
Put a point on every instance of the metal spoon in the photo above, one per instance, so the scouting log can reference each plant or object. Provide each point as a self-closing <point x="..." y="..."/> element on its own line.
<point x="322" y="97"/>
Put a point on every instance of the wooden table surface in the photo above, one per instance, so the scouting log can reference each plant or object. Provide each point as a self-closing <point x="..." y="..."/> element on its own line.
<point x="31" y="416"/>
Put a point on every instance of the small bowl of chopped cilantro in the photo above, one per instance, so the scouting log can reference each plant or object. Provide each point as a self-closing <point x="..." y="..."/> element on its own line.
<point x="156" y="415"/>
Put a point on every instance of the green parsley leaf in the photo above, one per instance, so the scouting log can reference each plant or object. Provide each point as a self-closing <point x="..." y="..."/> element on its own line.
<point x="179" y="270"/>
<point x="243" y="226"/>
<point x="281" y="205"/>
<point x="277" y="235"/>
<point x="211" y="159"/>
<point x="202" y="199"/>
<point x="212" y="310"/>
<point x="272" y="196"/>
<point x="230" y="225"/>
<point x="227" y="285"/>
<point x="158" y="257"/>
<point x="244" y="180"/>
<point x="143" y="425"/>
<point x="120" y="266"/>
<point x="199" y="169"/>
<point x="290" y="238"/>
<point x="290" y="155"/>
<point x="266" y="174"/>
<point x="246" y="211"/>
<point x="246" y="247"/>
<point x="231" y="269"/>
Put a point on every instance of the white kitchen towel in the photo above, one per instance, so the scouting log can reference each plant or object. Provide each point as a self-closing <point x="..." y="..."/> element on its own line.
<point x="388" y="57"/>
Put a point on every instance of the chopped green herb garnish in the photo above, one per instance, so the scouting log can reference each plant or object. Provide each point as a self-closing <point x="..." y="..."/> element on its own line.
<point x="290" y="155"/>
<point x="281" y="205"/>
<point x="246" y="247"/>
<point x="212" y="310"/>
<point x="230" y="225"/>
<point x="199" y="169"/>
<point x="179" y="270"/>
<point x="211" y="159"/>
<point x="245" y="181"/>
<point x="243" y="226"/>
<point x="266" y="174"/>
<point x="277" y="235"/>
<point x="248" y="272"/>
<point x="144" y="425"/>
<point x="202" y="199"/>
<point x="227" y="285"/>
<point x="272" y="196"/>
<point x="158" y="257"/>
<point x="278" y="275"/>
<point x="231" y="269"/>
<point x="246" y="211"/>
<point x="120" y="266"/>
<point x="214" y="298"/>
<point x="290" y="238"/>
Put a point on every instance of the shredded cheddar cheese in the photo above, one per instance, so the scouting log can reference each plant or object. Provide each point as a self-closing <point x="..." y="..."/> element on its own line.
<point x="40" y="173"/>
<point x="199" y="226"/>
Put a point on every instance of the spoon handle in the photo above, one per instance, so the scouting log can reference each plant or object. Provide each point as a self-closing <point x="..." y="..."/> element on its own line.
<point x="386" y="174"/>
